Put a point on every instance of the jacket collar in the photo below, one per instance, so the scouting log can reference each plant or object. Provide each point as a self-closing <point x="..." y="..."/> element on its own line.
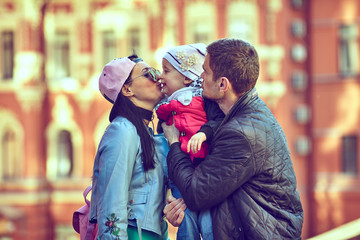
<point x="240" y="103"/>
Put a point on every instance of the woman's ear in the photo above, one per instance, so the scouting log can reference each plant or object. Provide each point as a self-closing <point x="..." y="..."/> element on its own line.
<point x="126" y="91"/>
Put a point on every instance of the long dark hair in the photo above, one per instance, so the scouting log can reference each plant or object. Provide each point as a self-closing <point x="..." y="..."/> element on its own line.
<point x="127" y="109"/>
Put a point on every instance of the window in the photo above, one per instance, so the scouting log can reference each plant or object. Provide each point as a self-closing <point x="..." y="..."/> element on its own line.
<point x="200" y="23"/>
<point x="297" y="4"/>
<point x="62" y="54"/>
<point x="350" y="154"/>
<point x="65" y="155"/>
<point x="9" y="158"/>
<point x="64" y="143"/>
<point x="242" y="29"/>
<point x="7" y="59"/>
<point x="134" y="39"/>
<point x="201" y="37"/>
<point x="109" y="46"/>
<point x="242" y="21"/>
<point x="201" y="33"/>
<point x="11" y="145"/>
<point x="348" y="50"/>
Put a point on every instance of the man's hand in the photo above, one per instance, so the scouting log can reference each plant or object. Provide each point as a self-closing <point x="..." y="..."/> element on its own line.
<point x="195" y="142"/>
<point x="170" y="132"/>
<point x="174" y="210"/>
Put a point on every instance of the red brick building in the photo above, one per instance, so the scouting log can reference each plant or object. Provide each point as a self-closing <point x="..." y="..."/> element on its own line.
<point x="52" y="115"/>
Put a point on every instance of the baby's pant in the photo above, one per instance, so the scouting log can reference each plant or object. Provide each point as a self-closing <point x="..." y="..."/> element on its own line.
<point x="194" y="223"/>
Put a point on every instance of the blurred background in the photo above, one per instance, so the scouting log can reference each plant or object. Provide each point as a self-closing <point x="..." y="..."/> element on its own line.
<point x="52" y="114"/>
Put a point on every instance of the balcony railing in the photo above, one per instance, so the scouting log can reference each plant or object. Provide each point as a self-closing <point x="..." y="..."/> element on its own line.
<point x="347" y="231"/>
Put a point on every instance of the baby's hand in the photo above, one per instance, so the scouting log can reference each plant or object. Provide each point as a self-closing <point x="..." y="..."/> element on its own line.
<point x="195" y="142"/>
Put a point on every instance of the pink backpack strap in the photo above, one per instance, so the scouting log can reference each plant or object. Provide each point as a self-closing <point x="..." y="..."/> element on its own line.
<point x="91" y="226"/>
<point x="86" y="192"/>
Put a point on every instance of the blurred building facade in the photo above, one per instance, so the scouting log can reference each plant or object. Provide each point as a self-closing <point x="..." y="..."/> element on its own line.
<point x="52" y="115"/>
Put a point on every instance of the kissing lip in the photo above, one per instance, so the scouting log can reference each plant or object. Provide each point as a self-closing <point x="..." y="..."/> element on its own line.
<point x="161" y="83"/>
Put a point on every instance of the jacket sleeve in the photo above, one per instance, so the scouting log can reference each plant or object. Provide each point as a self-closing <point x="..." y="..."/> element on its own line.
<point x="227" y="166"/>
<point x="118" y="153"/>
<point x="214" y="116"/>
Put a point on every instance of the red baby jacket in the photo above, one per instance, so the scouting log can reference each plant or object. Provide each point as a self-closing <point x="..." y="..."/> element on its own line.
<point x="188" y="120"/>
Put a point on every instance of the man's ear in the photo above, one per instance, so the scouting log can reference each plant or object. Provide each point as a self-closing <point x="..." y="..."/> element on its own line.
<point x="224" y="84"/>
<point x="126" y="91"/>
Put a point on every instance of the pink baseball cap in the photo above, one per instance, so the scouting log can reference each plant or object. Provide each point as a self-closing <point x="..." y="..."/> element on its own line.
<point x="114" y="76"/>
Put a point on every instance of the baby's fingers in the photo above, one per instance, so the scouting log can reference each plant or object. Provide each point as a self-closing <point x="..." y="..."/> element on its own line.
<point x="189" y="145"/>
<point x="195" y="146"/>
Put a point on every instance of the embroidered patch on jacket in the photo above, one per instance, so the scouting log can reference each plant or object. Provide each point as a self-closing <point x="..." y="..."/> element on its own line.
<point x="111" y="225"/>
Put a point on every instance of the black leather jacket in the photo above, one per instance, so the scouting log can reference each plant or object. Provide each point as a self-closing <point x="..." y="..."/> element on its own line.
<point x="248" y="175"/>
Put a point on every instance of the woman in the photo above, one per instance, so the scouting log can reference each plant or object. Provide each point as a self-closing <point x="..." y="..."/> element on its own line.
<point x="128" y="195"/>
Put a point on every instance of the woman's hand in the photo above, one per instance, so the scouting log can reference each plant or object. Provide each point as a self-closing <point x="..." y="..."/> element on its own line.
<point x="174" y="210"/>
<point x="195" y="142"/>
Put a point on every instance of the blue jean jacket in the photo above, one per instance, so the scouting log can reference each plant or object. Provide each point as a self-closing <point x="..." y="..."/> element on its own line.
<point x="123" y="193"/>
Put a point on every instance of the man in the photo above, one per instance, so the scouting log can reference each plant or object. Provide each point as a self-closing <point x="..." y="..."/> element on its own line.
<point x="247" y="179"/>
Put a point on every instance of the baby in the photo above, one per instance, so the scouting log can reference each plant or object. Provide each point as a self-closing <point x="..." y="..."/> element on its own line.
<point x="195" y="117"/>
<point x="181" y="83"/>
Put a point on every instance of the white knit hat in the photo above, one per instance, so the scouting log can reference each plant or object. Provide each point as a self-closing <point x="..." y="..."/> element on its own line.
<point x="188" y="59"/>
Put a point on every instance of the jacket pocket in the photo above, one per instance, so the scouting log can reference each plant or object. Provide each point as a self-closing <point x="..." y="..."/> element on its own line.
<point x="136" y="204"/>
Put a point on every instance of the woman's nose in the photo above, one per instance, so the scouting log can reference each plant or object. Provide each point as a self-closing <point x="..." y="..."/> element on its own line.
<point x="160" y="81"/>
<point x="161" y="78"/>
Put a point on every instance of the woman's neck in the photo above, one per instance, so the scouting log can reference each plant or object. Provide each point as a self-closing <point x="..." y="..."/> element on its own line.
<point x="145" y="114"/>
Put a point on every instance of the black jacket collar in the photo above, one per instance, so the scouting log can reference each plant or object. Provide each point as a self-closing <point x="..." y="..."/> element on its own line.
<point x="240" y="103"/>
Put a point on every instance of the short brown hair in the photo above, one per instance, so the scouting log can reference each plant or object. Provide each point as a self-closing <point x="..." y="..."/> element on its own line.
<point x="236" y="60"/>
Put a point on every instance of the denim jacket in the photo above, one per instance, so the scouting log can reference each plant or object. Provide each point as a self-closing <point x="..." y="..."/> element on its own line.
<point x="123" y="193"/>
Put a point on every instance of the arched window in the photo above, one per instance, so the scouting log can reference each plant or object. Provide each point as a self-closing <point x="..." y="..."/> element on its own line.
<point x="64" y="143"/>
<point x="64" y="155"/>
<point x="11" y="147"/>
<point x="9" y="159"/>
